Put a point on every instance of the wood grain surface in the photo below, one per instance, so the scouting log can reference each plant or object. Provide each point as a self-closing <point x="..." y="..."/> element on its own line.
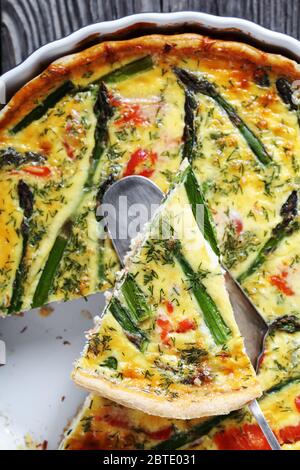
<point x="28" y="24"/>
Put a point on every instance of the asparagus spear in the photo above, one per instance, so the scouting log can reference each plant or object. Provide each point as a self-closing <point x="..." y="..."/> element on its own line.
<point x="10" y="157"/>
<point x="102" y="112"/>
<point x="289" y="209"/>
<point x="103" y="187"/>
<point x="281" y="385"/>
<point x="135" y="299"/>
<point x="212" y="316"/>
<point x="189" y="134"/>
<point x="180" y="439"/>
<point x="282" y="230"/>
<point x="196" y="199"/>
<point x="42" y="108"/>
<point x="201" y="85"/>
<point x="128" y="70"/>
<point x="288" y="323"/>
<point x="46" y="280"/>
<point x="103" y="109"/>
<point x="124" y="318"/>
<point x="278" y="234"/>
<point x="286" y="93"/>
<point x="192" y="188"/>
<point x="137" y="66"/>
<point x="26" y="204"/>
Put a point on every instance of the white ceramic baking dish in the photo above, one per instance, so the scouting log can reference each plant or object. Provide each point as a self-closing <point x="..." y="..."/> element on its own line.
<point x="37" y="397"/>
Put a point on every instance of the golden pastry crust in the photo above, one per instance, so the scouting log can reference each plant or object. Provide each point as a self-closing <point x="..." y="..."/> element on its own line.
<point x="200" y="405"/>
<point x="109" y="55"/>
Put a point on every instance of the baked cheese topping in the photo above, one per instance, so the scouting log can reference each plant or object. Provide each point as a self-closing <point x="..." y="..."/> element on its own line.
<point x="281" y="358"/>
<point x="141" y="114"/>
<point x="10" y="247"/>
<point x="225" y="106"/>
<point x="63" y="145"/>
<point x="273" y="287"/>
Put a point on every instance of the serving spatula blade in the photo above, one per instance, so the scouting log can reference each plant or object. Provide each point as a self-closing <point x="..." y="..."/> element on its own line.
<point x="252" y="326"/>
<point x="140" y="191"/>
<point x="121" y="204"/>
<point x="254" y="330"/>
<point x="2" y="353"/>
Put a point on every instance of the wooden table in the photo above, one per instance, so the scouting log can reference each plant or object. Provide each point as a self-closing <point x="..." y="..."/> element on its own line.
<point x="28" y="24"/>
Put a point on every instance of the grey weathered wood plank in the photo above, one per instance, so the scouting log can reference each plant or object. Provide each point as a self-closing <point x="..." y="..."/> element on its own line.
<point x="278" y="15"/>
<point x="28" y="24"/>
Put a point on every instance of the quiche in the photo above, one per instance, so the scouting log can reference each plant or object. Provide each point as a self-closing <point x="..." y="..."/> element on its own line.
<point x="167" y="343"/>
<point x="139" y="107"/>
<point x="280" y="405"/>
<point x="106" y="425"/>
<point x="103" y="424"/>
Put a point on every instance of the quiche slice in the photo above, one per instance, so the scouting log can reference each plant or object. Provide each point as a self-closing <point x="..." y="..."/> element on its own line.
<point x="102" y="424"/>
<point x="280" y="405"/>
<point x="167" y="343"/>
<point x="105" y="425"/>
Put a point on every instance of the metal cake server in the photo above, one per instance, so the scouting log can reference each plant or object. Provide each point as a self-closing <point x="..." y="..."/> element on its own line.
<point x="134" y="190"/>
<point x="2" y="353"/>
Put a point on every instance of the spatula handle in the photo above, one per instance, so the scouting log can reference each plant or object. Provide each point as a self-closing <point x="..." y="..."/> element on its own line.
<point x="264" y="426"/>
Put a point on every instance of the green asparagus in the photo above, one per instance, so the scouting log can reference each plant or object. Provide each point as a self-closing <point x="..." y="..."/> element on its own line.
<point x="10" y="157"/>
<point x="201" y="85"/>
<point x="42" y="108"/>
<point x="102" y="112"/>
<point x="180" y="439"/>
<point x="282" y="230"/>
<point x="284" y="89"/>
<point x="287" y="323"/>
<point x="197" y="200"/>
<point x="189" y="136"/>
<point x="135" y="299"/>
<point x="283" y="384"/>
<point x="128" y="70"/>
<point x="212" y="316"/>
<point x="124" y="318"/>
<point x="26" y="204"/>
<point x="46" y="280"/>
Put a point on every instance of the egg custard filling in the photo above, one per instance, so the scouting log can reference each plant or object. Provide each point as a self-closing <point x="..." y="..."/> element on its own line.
<point x="168" y="342"/>
<point x="140" y="107"/>
<point x="103" y="424"/>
